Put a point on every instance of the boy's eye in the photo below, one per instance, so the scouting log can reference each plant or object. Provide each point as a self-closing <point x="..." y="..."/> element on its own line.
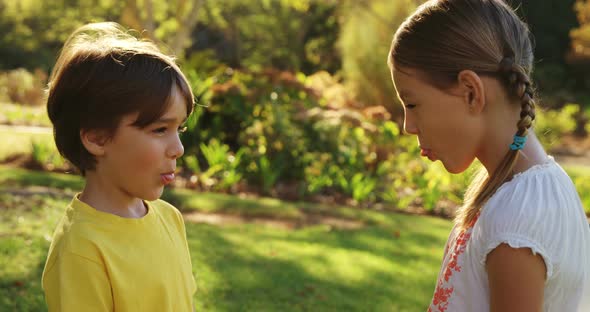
<point x="160" y="130"/>
<point x="410" y="106"/>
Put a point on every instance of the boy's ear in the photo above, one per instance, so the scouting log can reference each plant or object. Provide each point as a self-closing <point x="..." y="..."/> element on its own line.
<point x="94" y="141"/>
<point x="473" y="90"/>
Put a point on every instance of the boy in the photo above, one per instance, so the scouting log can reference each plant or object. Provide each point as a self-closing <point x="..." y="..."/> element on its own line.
<point x="117" y="105"/>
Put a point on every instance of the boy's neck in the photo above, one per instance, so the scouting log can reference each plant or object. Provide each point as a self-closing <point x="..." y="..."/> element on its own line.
<point x="108" y="198"/>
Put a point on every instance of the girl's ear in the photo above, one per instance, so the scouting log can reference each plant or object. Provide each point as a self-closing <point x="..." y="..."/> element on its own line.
<point x="94" y="141"/>
<point x="473" y="91"/>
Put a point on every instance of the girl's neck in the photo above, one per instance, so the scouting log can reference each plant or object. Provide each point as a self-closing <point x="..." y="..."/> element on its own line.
<point x="496" y="148"/>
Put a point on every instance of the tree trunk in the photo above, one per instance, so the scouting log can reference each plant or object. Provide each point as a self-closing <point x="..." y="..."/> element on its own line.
<point x="186" y="24"/>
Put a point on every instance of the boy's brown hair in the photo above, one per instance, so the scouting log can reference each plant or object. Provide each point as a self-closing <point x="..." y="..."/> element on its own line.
<point x="102" y="74"/>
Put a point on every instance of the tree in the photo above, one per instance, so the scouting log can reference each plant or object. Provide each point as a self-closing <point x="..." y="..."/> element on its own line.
<point x="580" y="36"/>
<point x="32" y="32"/>
<point x="169" y="23"/>
<point x="550" y="22"/>
<point x="291" y="35"/>
<point x="365" y="39"/>
<point x="287" y="34"/>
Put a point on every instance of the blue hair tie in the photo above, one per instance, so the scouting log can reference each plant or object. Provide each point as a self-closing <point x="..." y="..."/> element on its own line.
<point x="518" y="143"/>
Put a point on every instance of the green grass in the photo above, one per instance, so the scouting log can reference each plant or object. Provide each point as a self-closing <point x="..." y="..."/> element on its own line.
<point x="16" y="142"/>
<point x="581" y="177"/>
<point x="187" y="200"/>
<point x="227" y="204"/>
<point x="15" y="114"/>
<point x="249" y="268"/>
<point x="26" y="225"/>
<point x="17" y="178"/>
<point x="391" y="264"/>
<point x="576" y="171"/>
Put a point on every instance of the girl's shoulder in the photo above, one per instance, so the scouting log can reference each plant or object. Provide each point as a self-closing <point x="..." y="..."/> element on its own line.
<point x="541" y="189"/>
<point x="538" y="209"/>
<point x="535" y="202"/>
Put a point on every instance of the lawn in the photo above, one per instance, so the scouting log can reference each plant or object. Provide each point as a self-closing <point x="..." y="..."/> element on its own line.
<point x="388" y="264"/>
<point x="15" y="114"/>
<point x="21" y="141"/>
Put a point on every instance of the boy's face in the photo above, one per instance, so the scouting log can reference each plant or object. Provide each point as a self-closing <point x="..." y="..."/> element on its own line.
<point x="139" y="162"/>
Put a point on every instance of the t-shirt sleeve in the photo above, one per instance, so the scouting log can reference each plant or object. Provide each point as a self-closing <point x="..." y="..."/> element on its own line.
<point x="525" y="215"/>
<point x="183" y="234"/>
<point x="518" y="237"/>
<point x="75" y="283"/>
<point x="181" y="228"/>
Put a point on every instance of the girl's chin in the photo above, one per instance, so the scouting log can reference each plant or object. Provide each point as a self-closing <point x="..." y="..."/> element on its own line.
<point x="455" y="168"/>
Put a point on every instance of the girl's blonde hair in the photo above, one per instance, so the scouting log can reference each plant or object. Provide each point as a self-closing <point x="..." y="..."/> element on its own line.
<point x="444" y="37"/>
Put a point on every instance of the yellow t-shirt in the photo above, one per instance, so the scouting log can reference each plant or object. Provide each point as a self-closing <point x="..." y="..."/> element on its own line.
<point x="102" y="262"/>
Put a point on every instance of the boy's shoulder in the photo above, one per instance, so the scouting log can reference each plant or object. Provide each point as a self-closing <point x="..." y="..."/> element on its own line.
<point x="165" y="209"/>
<point x="79" y="232"/>
<point x="75" y="234"/>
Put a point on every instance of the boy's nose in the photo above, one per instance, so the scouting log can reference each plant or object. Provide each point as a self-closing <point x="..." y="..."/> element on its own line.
<point x="176" y="149"/>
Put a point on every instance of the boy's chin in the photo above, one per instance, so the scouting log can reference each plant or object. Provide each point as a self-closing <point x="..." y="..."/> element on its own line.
<point x="156" y="194"/>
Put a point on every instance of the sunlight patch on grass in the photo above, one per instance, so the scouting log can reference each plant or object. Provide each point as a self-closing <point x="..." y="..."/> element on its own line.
<point x="11" y="177"/>
<point x="391" y="264"/>
<point x="14" y="143"/>
<point x="314" y="268"/>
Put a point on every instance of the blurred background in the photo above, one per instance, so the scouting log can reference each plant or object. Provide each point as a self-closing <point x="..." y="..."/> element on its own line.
<point x="299" y="190"/>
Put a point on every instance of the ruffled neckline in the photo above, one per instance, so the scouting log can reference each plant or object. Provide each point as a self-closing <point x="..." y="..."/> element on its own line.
<point x="550" y="161"/>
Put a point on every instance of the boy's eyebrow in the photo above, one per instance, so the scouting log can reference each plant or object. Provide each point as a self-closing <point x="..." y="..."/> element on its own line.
<point x="170" y="119"/>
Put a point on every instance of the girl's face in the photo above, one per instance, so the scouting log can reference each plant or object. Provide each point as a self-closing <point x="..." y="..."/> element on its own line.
<point x="441" y="120"/>
<point x="139" y="162"/>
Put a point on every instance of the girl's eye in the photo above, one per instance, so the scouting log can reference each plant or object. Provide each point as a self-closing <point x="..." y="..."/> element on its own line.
<point x="182" y="129"/>
<point x="410" y="106"/>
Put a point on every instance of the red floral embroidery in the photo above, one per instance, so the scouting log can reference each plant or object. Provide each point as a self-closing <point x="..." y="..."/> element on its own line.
<point x="443" y="291"/>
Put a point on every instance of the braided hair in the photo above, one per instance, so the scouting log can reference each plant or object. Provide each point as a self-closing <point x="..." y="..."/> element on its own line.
<point x="519" y="84"/>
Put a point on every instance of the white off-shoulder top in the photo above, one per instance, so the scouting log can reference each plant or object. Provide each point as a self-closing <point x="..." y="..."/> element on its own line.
<point x="537" y="209"/>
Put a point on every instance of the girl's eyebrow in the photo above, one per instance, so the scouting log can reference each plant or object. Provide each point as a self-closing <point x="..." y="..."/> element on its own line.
<point x="404" y="94"/>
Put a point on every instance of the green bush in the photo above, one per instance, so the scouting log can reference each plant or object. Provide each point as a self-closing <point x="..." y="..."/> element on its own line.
<point x="13" y="114"/>
<point x="45" y="155"/>
<point x="551" y="125"/>
<point x="367" y="31"/>
<point x="222" y="171"/>
<point x="306" y="132"/>
<point x="22" y="87"/>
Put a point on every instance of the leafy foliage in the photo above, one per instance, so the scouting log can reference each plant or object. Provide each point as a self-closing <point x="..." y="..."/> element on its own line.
<point x="364" y="44"/>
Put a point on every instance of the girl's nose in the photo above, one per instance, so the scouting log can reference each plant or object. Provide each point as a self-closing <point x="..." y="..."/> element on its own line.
<point x="410" y="126"/>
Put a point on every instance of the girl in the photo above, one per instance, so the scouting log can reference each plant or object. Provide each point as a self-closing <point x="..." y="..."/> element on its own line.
<point x="521" y="241"/>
